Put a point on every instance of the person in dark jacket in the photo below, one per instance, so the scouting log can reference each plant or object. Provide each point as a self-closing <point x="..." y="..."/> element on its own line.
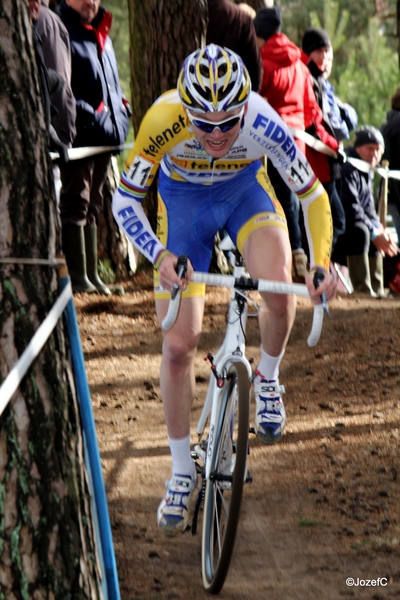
<point x="342" y="116"/>
<point x="365" y="239"/>
<point x="391" y="134"/>
<point x="57" y="56"/>
<point x="316" y="48"/>
<point x="232" y="27"/>
<point x="102" y="119"/>
<point x="51" y="85"/>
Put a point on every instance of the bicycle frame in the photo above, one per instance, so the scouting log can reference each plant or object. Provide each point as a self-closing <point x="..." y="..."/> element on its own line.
<point x="231" y="350"/>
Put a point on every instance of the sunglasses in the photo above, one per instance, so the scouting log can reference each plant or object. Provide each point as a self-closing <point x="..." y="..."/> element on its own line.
<point x="223" y="126"/>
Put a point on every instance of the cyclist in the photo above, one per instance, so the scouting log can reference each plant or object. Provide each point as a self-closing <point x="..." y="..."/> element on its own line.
<point x="208" y="137"/>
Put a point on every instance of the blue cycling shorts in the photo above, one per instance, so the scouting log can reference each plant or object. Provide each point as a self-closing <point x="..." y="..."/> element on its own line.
<point x="190" y="215"/>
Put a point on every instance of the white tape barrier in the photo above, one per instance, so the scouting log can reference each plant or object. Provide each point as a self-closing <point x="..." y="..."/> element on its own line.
<point x="17" y="373"/>
<point x="311" y="141"/>
<point x="86" y="151"/>
<point x="359" y="164"/>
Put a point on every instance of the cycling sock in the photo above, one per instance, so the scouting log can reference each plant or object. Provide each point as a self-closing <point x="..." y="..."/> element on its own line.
<point x="269" y="365"/>
<point x="182" y="463"/>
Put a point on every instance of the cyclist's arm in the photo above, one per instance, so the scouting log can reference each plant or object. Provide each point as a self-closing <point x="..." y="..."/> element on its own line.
<point x="140" y="170"/>
<point x="318" y="224"/>
<point x="131" y="217"/>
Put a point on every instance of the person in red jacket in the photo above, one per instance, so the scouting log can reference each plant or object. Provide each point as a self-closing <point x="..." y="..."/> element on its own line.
<point x="287" y="85"/>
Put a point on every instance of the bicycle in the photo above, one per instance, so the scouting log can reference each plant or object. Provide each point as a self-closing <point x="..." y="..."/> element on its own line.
<point x="221" y="451"/>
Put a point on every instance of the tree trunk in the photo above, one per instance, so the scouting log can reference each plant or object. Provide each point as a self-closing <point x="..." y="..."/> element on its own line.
<point x="162" y="33"/>
<point x="47" y="547"/>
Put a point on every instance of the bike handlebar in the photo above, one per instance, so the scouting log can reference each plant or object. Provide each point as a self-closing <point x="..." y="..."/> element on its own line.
<point x="261" y="285"/>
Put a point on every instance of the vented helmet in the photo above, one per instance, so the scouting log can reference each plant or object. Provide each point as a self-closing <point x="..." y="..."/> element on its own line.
<point x="213" y="79"/>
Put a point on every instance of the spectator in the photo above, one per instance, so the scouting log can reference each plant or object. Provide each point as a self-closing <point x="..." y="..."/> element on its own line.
<point x="343" y="117"/>
<point x="57" y="56"/>
<point x="365" y="239"/>
<point x="102" y="120"/>
<point x="391" y="134"/>
<point x="287" y="85"/>
<point x="316" y="47"/>
<point x="232" y="27"/>
<point x="51" y="85"/>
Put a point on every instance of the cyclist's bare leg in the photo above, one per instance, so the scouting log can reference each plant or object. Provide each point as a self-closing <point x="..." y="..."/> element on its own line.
<point x="267" y="254"/>
<point x="177" y="379"/>
<point x="177" y="384"/>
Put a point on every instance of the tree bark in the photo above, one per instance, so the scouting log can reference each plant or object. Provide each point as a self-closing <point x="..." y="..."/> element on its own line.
<point x="47" y="546"/>
<point x="162" y="33"/>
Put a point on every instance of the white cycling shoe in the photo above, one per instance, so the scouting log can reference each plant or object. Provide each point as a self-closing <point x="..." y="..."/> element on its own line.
<point x="173" y="511"/>
<point x="270" y="417"/>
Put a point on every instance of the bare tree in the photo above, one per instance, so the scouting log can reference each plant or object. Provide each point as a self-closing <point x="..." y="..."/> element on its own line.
<point x="47" y="546"/>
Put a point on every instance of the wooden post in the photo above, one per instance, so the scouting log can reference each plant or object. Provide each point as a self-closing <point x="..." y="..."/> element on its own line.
<point x="383" y="197"/>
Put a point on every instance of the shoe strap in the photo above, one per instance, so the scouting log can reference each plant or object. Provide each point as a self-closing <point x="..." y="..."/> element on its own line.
<point x="180" y="484"/>
<point x="274" y="385"/>
<point x="271" y="405"/>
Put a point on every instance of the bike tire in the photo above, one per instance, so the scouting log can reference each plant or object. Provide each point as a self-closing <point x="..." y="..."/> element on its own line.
<point x="221" y="508"/>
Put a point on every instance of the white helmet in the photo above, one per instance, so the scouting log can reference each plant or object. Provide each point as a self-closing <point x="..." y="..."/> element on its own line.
<point x="213" y="79"/>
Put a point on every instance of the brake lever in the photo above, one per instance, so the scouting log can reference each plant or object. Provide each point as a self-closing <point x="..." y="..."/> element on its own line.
<point x="180" y="268"/>
<point x="317" y="280"/>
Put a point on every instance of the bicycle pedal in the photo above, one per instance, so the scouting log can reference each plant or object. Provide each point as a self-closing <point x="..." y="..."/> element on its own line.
<point x="249" y="477"/>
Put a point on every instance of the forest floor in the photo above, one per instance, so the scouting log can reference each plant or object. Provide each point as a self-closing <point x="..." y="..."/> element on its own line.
<point x="324" y="503"/>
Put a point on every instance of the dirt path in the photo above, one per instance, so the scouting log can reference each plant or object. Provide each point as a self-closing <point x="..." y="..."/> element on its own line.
<point x="324" y="503"/>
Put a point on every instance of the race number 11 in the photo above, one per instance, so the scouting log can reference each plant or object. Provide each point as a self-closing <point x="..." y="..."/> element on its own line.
<point x="139" y="171"/>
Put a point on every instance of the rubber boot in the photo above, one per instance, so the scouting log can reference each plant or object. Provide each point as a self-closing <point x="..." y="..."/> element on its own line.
<point x="91" y="260"/>
<point x="73" y="243"/>
<point x="376" y="271"/>
<point x="359" y="274"/>
<point x="299" y="265"/>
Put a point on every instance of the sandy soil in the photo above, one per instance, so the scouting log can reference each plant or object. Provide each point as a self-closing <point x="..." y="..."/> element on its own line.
<point x="324" y="503"/>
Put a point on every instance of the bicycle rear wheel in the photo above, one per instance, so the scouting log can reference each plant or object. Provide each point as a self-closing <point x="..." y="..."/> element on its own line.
<point x="224" y="488"/>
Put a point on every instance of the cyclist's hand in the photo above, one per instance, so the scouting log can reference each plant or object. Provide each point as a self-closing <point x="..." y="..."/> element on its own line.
<point x="168" y="275"/>
<point x="327" y="287"/>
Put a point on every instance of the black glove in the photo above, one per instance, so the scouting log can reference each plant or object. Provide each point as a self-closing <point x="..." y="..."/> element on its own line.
<point x="57" y="146"/>
<point x="341" y="156"/>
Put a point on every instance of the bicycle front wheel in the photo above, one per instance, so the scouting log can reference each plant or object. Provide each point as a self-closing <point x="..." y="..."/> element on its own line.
<point x="224" y="487"/>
